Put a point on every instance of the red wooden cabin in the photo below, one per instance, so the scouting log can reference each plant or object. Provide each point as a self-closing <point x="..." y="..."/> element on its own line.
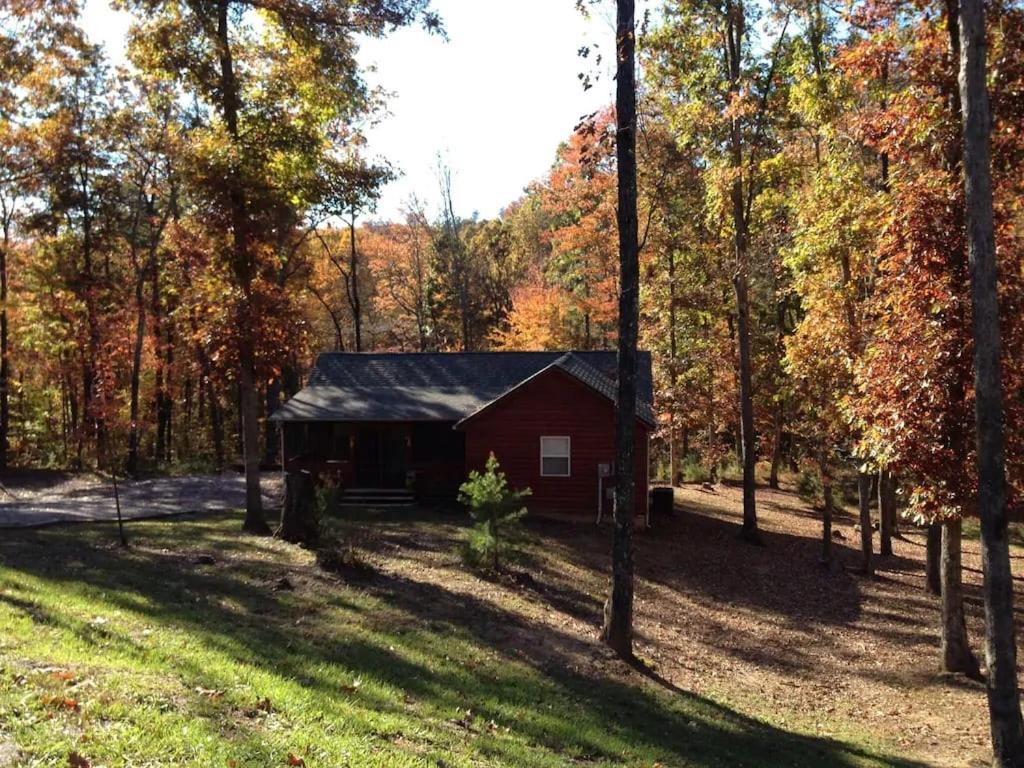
<point x="419" y="422"/>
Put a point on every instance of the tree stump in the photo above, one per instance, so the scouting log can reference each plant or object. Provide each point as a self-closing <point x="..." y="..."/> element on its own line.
<point x="299" y="523"/>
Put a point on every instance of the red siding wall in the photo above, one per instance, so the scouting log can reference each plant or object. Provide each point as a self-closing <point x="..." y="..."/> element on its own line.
<point x="554" y="403"/>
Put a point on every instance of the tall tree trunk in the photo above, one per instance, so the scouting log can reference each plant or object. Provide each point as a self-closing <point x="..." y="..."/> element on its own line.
<point x="5" y="352"/>
<point x="826" y="520"/>
<point x="1000" y="646"/>
<point x="216" y="420"/>
<point x="339" y="340"/>
<point x="272" y="441"/>
<point x="74" y="414"/>
<point x="617" y="631"/>
<point x="92" y="418"/>
<point x="186" y="437"/>
<point x="167" y="402"/>
<point x="132" y="462"/>
<point x="160" y="394"/>
<point x="243" y="268"/>
<point x="933" y="558"/>
<point x="206" y="386"/>
<point x="741" y="277"/>
<point x="866" y="534"/>
<point x="956" y="650"/>
<point x="66" y="419"/>
<point x="255" y="522"/>
<point x="673" y="362"/>
<point x="148" y="208"/>
<point x="886" y="511"/>
<point x="773" y="476"/>
<point x="671" y="449"/>
<point x="353" y="269"/>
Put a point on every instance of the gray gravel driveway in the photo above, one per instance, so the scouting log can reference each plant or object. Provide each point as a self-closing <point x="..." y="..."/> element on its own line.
<point x="93" y="499"/>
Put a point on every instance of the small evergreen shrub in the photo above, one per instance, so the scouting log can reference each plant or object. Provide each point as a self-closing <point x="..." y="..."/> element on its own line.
<point x="496" y="510"/>
<point x="809" y="486"/>
<point x="327" y="494"/>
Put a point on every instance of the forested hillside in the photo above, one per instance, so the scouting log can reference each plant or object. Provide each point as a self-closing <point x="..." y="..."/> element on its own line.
<point x="182" y="237"/>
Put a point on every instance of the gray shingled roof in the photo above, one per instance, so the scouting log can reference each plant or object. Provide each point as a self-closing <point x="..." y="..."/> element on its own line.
<point x="440" y="386"/>
<point x="574" y="365"/>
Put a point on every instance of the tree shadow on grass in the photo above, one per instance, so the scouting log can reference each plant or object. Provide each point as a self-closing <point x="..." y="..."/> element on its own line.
<point x="437" y="531"/>
<point x="700" y="553"/>
<point x="694" y="563"/>
<point x="696" y="554"/>
<point x="419" y="639"/>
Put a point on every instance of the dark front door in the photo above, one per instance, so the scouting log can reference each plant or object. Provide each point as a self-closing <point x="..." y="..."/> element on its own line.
<point x="368" y="457"/>
<point x="393" y="457"/>
<point x="381" y="457"/>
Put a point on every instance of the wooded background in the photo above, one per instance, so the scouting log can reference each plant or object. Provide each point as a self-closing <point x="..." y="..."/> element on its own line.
<point x="210" y="213"/>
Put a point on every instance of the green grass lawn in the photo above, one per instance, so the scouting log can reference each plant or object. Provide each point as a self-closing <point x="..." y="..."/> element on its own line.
<point x="156" y="656"/>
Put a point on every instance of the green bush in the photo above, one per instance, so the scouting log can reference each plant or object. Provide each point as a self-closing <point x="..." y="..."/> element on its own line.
<point x="693" y="470"/>
<point x="730" y="469"/>
<point x="327" y="494"/>
<point x="809" y="486"/>
<point x="496" y="510"/>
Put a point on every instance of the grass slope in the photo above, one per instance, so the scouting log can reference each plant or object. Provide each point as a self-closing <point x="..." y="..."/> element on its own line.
<point x="186" y="650"/>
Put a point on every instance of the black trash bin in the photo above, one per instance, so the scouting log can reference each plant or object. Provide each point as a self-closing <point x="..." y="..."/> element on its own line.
<point x="661" y="502"/>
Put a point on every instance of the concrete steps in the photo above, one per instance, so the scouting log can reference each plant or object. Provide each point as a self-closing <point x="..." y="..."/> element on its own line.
<point x="384" y="498"/>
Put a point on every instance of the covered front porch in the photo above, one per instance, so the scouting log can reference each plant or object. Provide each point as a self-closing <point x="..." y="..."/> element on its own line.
<point x="427" y="458"/>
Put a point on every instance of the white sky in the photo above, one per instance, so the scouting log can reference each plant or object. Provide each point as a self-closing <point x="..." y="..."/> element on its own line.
<point x="495" y="100"/>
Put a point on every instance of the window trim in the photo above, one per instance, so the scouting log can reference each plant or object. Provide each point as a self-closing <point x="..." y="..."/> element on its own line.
<point x="567" y="457"/>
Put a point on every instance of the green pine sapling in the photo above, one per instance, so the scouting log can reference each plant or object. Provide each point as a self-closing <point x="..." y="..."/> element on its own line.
<point x="496" y="510"/>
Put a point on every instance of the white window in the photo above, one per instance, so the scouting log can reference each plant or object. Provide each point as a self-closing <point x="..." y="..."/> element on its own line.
<point x="554" y="457"/>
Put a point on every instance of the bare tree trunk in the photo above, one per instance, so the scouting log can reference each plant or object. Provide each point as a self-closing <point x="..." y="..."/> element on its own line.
<point x="866" y="534"/>
<point x="160" y="450"/>
<point x="933" y="557"/>
<point x="826" y="520"/>
<point x="147" y="211"/>
<point x="216" y="422"/>
<point x="90" y="412"/>
<point x="243" y="268"/>
<point x="1000" y="647"/>
<point x="353" y="269"/>
<point x="272" y="441"/>
<point x="166" y="414"/>
<point x="956" y="650"/>
<point x="206" y="387"/>
<point x="186" y="442"/>
<point x="773" y="477"/>
<point x="254" y="519"/>
<point x="73" y="415"/>
<point x="671" y="450"/>
<point x="5" y="352"/>
<point x="132" y="462"/>
<point x="617" y="631"/>
<point x="886" y="511"/>
<point x="741" y="277"/>
<point x="673" y="362"/>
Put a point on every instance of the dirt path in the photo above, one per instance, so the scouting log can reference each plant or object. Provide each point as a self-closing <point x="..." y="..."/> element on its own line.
<point x="34" y="500"/>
